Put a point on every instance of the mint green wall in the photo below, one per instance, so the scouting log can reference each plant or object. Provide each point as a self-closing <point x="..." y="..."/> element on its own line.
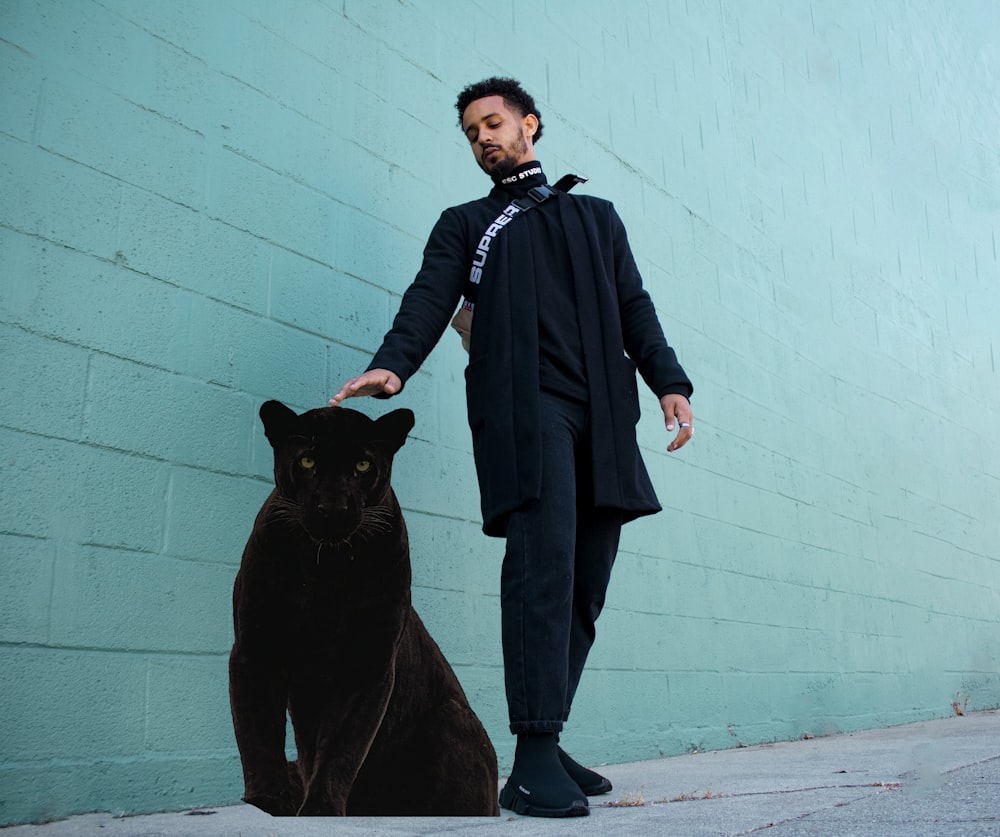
<point x="207" y="204"/>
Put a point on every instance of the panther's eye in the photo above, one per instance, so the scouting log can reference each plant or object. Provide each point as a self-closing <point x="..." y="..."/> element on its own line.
<point x="362" y="466"/>
<point x="307" y="462"/>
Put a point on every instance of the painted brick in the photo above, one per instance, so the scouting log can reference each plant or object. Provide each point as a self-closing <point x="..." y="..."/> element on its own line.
<point x="426" y="105"/>
<point x="27" y="566"/>
<point x="49" y="197"/>
<point x="178" y="25"/>
<point x="184" y="247"/>
<point x="39" y="791"/>
<point x="307" y="25"/>
<point x="47" y="287"/>
<point x="113" y="599"/>
<point x="70" y="705"/>
<point x="239" y="350"/>
<point x="75" y="124"/>
<point x="209" y="516"/>
<point x="20" y="84"/>
<point x="82" y="36"/>
<point x="642" y="583"/>
<point x="680" y="499"/>
<point x="193" y="32"/>
<point x="302" y="83"/>
<point x="483" y="685"/>
<point x="259" y="128"/>
<point x="451" y="416"/>
<point x="466" y="627"/>
<point x="141" y="410"/>
<point x="693" y="695"/>
<point x="447" y="554"/>
<point x="428" y="473"/>
<point x="269" y="205"/>
<point x="318" y="299"/>
<point x="117" y="499"/>
<point x="403" y="191"/>
<point x="180" y="690"/>
<point x="49" y="379"/>
<point x="367" y="248"/>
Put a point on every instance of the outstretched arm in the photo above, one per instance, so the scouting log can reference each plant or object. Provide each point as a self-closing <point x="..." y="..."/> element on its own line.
<point x="424" y="313"/>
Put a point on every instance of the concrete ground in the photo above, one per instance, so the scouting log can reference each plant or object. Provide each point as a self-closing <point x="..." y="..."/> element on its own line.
<point x="937" y="777"/>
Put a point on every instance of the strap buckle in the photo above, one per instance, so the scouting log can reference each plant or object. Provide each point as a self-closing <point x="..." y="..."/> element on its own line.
<point x="538" y="195"/>
<point x="541" y="193"/>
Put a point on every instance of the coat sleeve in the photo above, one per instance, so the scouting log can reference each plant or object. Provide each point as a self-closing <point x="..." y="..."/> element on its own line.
<point x="429" y="303"/>
<point x="641" y="329"/>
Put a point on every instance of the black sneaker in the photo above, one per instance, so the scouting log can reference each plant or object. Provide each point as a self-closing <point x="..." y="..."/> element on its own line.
<point x="590" y="782"/>
<point x="519" y="799"/>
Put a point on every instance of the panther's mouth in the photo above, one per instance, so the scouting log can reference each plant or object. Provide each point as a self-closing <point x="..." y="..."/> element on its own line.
<point x="331" y="528"/>
<point x="338" y="542"/>
<point x="332" y="540"/>
<point x="335" y="533"/>
<point x="337" y="548"/>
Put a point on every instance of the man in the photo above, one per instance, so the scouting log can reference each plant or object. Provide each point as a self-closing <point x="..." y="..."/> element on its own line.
<point x="552" y="405"/>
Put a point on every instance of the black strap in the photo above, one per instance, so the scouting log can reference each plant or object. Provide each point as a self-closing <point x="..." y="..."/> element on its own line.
<point x="568" y="181"/>
<point x="536" y="196"/>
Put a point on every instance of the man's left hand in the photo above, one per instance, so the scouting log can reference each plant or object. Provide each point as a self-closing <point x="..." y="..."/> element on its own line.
<point x="677" y="413"/>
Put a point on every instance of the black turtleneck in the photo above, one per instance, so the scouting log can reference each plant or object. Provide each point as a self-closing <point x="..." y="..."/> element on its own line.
<point x="560" y="349"/>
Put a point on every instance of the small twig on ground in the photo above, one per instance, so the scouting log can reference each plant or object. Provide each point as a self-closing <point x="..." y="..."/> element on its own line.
<point x="629" y="800"/>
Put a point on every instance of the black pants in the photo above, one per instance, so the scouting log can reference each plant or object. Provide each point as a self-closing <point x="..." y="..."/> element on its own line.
<point x="560" y="551"/>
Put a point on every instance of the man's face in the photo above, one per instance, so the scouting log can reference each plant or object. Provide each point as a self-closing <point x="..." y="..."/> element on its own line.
<point x="500" y="138"/>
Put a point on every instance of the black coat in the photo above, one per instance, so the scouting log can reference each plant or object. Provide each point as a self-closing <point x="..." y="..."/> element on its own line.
<point x="616" y="318"/>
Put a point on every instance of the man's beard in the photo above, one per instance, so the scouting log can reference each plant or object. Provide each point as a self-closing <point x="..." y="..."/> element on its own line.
<point x="508" y="162"/>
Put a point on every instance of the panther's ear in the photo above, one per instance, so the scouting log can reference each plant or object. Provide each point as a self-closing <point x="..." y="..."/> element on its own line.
<point x="279" y="421"/>
<point x="393" y="427"/>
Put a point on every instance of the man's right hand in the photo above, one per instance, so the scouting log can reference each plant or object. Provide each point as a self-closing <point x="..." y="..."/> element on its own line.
<point x="372" y="382"/>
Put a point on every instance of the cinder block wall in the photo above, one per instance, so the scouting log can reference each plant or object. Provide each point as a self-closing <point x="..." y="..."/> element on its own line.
<point x="205" y="205"/>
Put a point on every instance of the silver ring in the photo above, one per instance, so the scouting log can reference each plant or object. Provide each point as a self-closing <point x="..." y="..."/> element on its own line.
<point x="685" y="424"/>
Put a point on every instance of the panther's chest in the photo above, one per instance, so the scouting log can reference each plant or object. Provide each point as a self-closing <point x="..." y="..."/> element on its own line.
<point x="340" y="596"/>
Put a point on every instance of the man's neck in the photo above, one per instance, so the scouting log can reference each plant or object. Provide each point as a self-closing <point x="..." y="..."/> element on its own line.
<point x="522" y="178"/>
<point x="525" y="170"/>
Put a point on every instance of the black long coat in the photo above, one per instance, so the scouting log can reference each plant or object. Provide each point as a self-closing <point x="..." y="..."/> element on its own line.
<point x="616" y="318"/>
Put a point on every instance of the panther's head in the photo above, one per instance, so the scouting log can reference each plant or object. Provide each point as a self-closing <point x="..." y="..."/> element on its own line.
<point x="332" y="467"/>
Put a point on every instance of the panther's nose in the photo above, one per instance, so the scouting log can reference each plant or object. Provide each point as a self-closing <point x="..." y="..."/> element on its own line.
<point x="332" y="506"/>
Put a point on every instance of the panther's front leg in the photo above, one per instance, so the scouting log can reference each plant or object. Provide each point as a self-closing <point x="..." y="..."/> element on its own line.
<point x="258" y="706"/>
<point x="258" y="697"/>
<point x="343" y="736"/>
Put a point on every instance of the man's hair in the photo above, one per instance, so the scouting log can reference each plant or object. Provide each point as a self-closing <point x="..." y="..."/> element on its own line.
<point x="515" y="97"/>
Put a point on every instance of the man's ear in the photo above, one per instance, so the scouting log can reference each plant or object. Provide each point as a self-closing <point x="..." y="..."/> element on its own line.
<point x="530" y="123"/>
